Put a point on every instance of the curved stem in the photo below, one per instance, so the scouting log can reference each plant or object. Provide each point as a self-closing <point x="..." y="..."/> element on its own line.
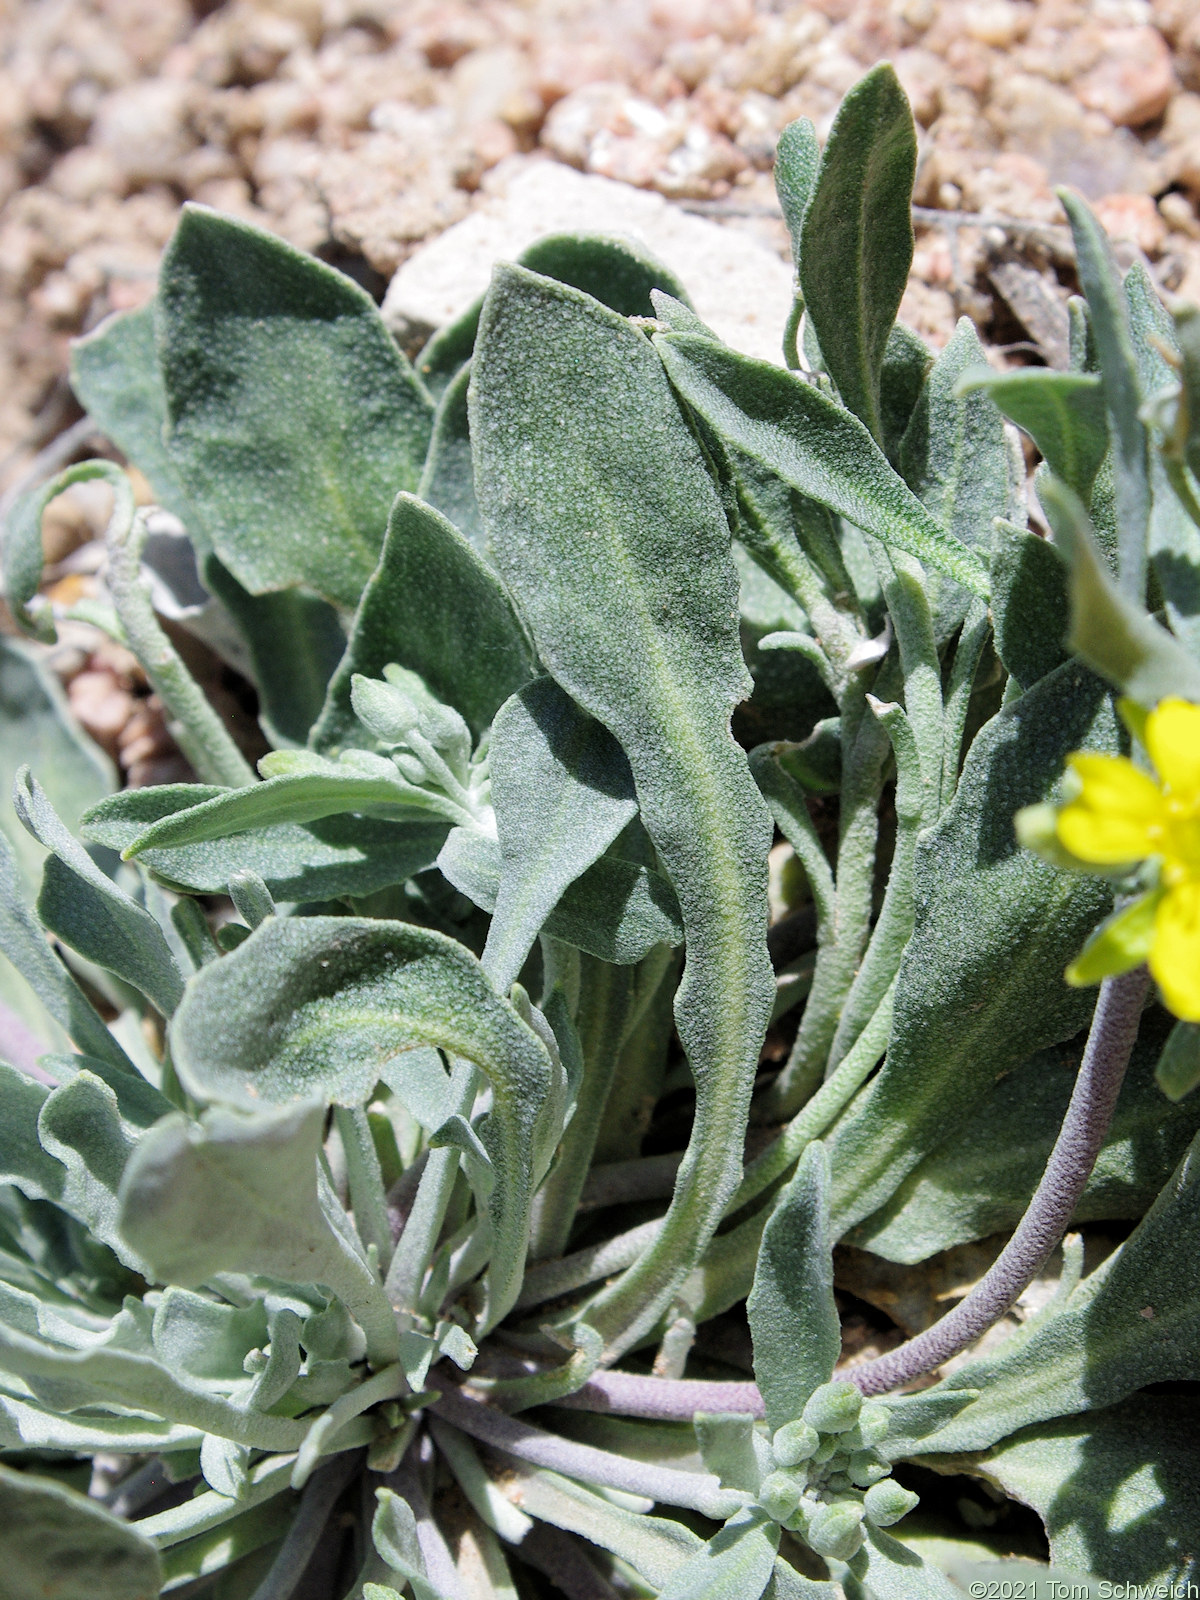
<point x="630" y="1394"/>
<point x="308" y="1526"/>
<point x="416" y="1244"/>
<point x="701" y="1491"/>
<point x="202" y="736"/>
<point x="1101" y="1073"/>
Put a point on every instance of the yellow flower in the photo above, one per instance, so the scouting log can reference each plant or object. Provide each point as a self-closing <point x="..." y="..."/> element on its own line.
<point x="1121" y="816"/>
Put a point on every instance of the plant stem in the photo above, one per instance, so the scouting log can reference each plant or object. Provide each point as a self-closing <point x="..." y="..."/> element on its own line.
<point x="629" y="1394"/>
<point x="604" y="1001"/>
<point x="1101" y="1073"/>
<point x="202" y="736"/>
<point x="419" y="1239"/>
<point x="832" y="1098"/>
<point x="312" y="1514"/>
<point x="843" y="935"/>
<point x="701" y="1491"/>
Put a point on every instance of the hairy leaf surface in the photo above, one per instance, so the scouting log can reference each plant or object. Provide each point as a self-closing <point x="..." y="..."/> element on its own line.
<point x="315" y="1007"/>
<point x="981" y="986"/>
<point x="292" y="480"/>
<point x="856" y="242"/>
<point x="793" y="1320"/>
<point x="813" y="444"/>
<point x="434" y="606"/>
<point x="608" y="532"/>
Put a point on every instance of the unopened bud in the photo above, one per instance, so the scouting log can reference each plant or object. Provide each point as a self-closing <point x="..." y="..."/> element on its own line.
<point x="795" y="1442"/>
<point x="836" y="1530"/>
<point x="833" y="1408"/>
<point x="779" y="1495"/>
<point x="874" y="1422"/>
<point x="886" y="1502"/>
<point x="866" y="1468"/>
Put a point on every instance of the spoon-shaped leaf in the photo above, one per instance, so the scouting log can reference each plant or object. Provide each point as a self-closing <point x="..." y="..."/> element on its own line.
<point x="234" y="1193"/>
<point x="315" y="1007"/>
<point x="562" y="790"/>
<point x="611" y="537"/>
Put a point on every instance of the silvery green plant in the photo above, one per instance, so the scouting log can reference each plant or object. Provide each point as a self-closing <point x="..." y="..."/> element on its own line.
<point x="332" y="1260"/>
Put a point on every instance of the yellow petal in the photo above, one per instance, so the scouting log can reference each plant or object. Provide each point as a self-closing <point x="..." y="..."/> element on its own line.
<point x="1175" y="958"/>
<point x="1117" y="814"/>
<point x="1173" y="741"/>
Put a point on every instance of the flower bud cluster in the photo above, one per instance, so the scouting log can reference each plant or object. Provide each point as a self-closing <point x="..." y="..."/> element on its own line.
<point x="829" y="1475"/>
<point x="426" y="741"/>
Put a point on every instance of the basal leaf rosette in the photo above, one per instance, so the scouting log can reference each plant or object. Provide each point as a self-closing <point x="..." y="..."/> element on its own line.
<point x="1120" y="818"/>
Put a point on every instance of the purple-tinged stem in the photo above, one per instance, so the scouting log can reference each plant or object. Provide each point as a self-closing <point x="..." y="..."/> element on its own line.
<point x="629" y="1394"/>
<point x="1101" y="1073"/>
<point x="701" y="1491"/>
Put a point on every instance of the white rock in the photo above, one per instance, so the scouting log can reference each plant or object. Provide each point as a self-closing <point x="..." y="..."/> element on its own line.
<point x="737" y="285"/>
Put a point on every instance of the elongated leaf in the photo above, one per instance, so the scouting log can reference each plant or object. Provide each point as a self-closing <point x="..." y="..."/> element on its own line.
<point x="59" y="1545"/>
<point x="856" y="242"/>
<point x="23" y="1161"/>
<point x="291" y="480"/>
<point x="616" y="910"/>
<point x="1062" y="412"/>
<point x="1111" y="633"/>
<point x="23" y="941"/>
<point x="615" y="546"/>
<point x="1116" y="1489"/>
<point x="87" y="910"/>
<point x="617" y="269"/>
<point x="102" y="1375"/>
<point x="1030" y="608"/>
<point x="1174" y="540"/>
<point x="980" y="987"/>
<point x="563" y="791"/>
<point x="240" y="1194"/>
<point x="956" y="458"/>
<point x="907" y="360"/>
<point x="24" y="1426"/>
<point x="797" y="160"/>
<point x="116" y="375"/>
<point x="814" y="445"/>
<point x="435" y="607"/>
<point x="1133" y="1322"/>
<point x="81" y="1125"/>
<point x="730" y="1447"/>
<point x="41" y="733"/>
<point x="735" y="1564"/>
<point x="793" y="1320"/>
<point x="315" y="1007"/>
<point x="654" y="1546"/>
<point x="40" y="730"/>
<point x="448" y="477"/>
<point x="298" y="797"/>
<point x="980" y="1178"/>
<point x="1109" y="313"/>
<point x="336" y="855"/>
<point x="295" y="642"/>
<point x="394" y="1532"/>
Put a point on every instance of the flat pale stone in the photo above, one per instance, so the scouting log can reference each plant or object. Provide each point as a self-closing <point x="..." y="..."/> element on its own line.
<point x="737" y="285"/>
